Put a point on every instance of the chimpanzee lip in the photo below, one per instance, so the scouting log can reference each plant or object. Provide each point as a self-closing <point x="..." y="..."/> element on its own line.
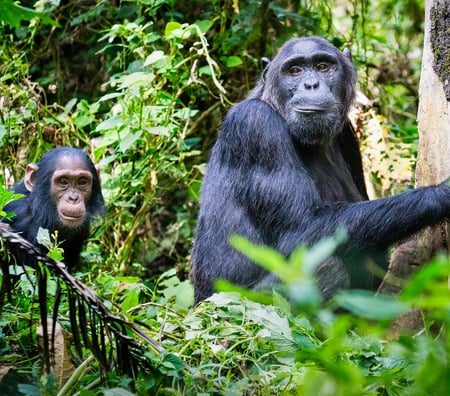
<point x="71" y="216"/>
<point x="310" y="109"/>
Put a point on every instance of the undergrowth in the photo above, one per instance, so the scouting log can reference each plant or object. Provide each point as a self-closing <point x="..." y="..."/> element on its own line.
<point x="260" y="344"/>
<point x="142" y="86"/>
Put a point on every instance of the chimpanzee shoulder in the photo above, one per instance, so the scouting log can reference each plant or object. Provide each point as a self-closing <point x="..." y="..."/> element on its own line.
<point x="286" y="170"/>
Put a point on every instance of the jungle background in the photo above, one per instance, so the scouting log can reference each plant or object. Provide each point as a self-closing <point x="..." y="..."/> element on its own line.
<point x="143" y="86"/>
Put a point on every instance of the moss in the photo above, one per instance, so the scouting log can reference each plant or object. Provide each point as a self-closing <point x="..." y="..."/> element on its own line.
<point x="440" y="42"/>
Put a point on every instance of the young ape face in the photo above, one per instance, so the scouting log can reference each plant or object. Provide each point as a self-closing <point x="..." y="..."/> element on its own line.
<point x="61" y="193"/>
<point x="71" y="188"/>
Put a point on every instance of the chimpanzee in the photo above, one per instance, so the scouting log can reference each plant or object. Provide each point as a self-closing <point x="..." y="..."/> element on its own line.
<point x="286" y="170"/>
<point x="61" y="193"/>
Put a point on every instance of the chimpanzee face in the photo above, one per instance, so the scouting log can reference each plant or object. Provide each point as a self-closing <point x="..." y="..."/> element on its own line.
<point x="307" y="83"/>
<point x="68" y="187"/>
<point x="309" y="78"/>
<point x="71" y="188"/>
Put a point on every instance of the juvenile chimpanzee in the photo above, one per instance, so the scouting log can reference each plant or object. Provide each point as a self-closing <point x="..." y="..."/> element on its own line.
<point x="286" y="170"/>
<point x="61" y="193"/>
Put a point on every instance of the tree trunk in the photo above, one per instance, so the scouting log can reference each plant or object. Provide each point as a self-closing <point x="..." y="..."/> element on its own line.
<point x="433" y="163"/>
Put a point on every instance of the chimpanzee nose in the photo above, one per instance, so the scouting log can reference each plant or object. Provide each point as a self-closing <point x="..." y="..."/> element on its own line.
<point x="311" y="84"/>
<point x="72" y="195"/>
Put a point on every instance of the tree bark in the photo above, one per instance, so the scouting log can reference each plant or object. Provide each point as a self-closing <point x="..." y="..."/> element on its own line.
<point x="433" y="163"/>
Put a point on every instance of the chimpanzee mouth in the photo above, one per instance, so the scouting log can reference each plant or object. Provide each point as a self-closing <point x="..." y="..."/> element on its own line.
<point x="310" y="110"/>
<point x="71" y="218"/>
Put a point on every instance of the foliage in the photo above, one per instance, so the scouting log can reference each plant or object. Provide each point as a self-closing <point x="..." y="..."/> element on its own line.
<point x="143" y="85"/>
<point x="143" y="88"/>
<point x="113" y="341"/>
<point x="12" y="14"/>
<point x="5" y="198"/>
<point x="231" y="344"/>
<point x="387" y="157"/>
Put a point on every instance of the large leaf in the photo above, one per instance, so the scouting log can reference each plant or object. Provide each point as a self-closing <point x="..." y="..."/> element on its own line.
<point x="12" y="14"/>
<point x="363" y="303"/>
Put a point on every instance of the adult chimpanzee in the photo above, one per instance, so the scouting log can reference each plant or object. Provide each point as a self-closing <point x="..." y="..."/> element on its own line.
<point x="61" y="193"/>
<point x="286" y="170"/>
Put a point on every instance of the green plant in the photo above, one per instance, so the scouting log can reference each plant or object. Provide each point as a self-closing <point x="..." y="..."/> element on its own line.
<point x="145" y="140"/>
<point x="139" y="84"/>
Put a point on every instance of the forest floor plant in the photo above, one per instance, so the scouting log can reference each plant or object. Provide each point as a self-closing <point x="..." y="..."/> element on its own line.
<point x="143" y="86"/>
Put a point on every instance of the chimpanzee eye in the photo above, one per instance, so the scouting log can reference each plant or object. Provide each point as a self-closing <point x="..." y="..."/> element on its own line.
<point x="82" y="182"/>
<point x="324" y="67"/>
<point x="295" y="70"/>
<point x="63" y="182"/>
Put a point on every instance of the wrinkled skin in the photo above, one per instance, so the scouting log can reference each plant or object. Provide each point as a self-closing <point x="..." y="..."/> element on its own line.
<point x="71" y="191"/>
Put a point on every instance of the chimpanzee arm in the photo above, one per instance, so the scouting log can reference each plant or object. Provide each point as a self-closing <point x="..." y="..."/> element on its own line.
<point x="286" y="170"/>
<point x="281" y="204"/>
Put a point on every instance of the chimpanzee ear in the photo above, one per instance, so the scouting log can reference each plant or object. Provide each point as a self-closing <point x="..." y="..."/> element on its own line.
<point x="347" y="54"/>
<point x="97" y="169"/>
<point x="30" y="176"/>
<point x="265" y="62"/>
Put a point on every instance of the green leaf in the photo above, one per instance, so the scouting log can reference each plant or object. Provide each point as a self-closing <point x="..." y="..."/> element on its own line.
<point x="171" y="27"/>
<point x="264" y="256"/>
<point x="322" y="250"/>
<point x="427" y="277"/>
<point x="131" y="300"/>
<point x="128" y="141"/>
<point x="43" y="238"/>
<point x="204" y="25"/>
<point x="110" y="96"/>
<point x="6" y="197"/>
<point x="277" y="326"/>
<point x="117" y="392"/>
<point x="363" y="303"/>
<point x="303" y="293"/>
<point x="155" y="57"/>
<point x="110" y="123"/>
<point x="159" y="130"/>
<point x="136" y="80"/>
<point x="183" y="293"/>
<point x="13" y="14"/>
<point x="30" y="390"/>
<point x="225" y="287"/>
<point x="172" y="362"/>
<point x="232" y="61"/>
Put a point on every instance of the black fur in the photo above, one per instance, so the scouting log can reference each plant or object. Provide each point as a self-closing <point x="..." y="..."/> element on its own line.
<point x="281" y="177"/>
<point x="37" y="209"/>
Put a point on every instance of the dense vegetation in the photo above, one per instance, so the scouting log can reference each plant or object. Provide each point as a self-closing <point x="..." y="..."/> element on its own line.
<point x="143" y="86"/>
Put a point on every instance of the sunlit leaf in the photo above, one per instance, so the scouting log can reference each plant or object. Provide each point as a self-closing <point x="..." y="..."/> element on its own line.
<point x="110" y="123"/>
<point x="204" y="25"/>
<point x="159" y="130"/>
<point x="135" y="80"/>
<point x="117" y="392"/>
<point x="131" y="300"/>
<point x="171" y="28"/>
<point x="232" y="61"/>
<point x="128" y="140"/>
<point x="227" y="287"/>
<point x="157" y="58"/>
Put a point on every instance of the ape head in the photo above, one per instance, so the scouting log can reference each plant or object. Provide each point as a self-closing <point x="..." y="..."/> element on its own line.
<point x="68" y="180"/>
<point x="312" y="85"/>
<point x="61" y="193"/>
